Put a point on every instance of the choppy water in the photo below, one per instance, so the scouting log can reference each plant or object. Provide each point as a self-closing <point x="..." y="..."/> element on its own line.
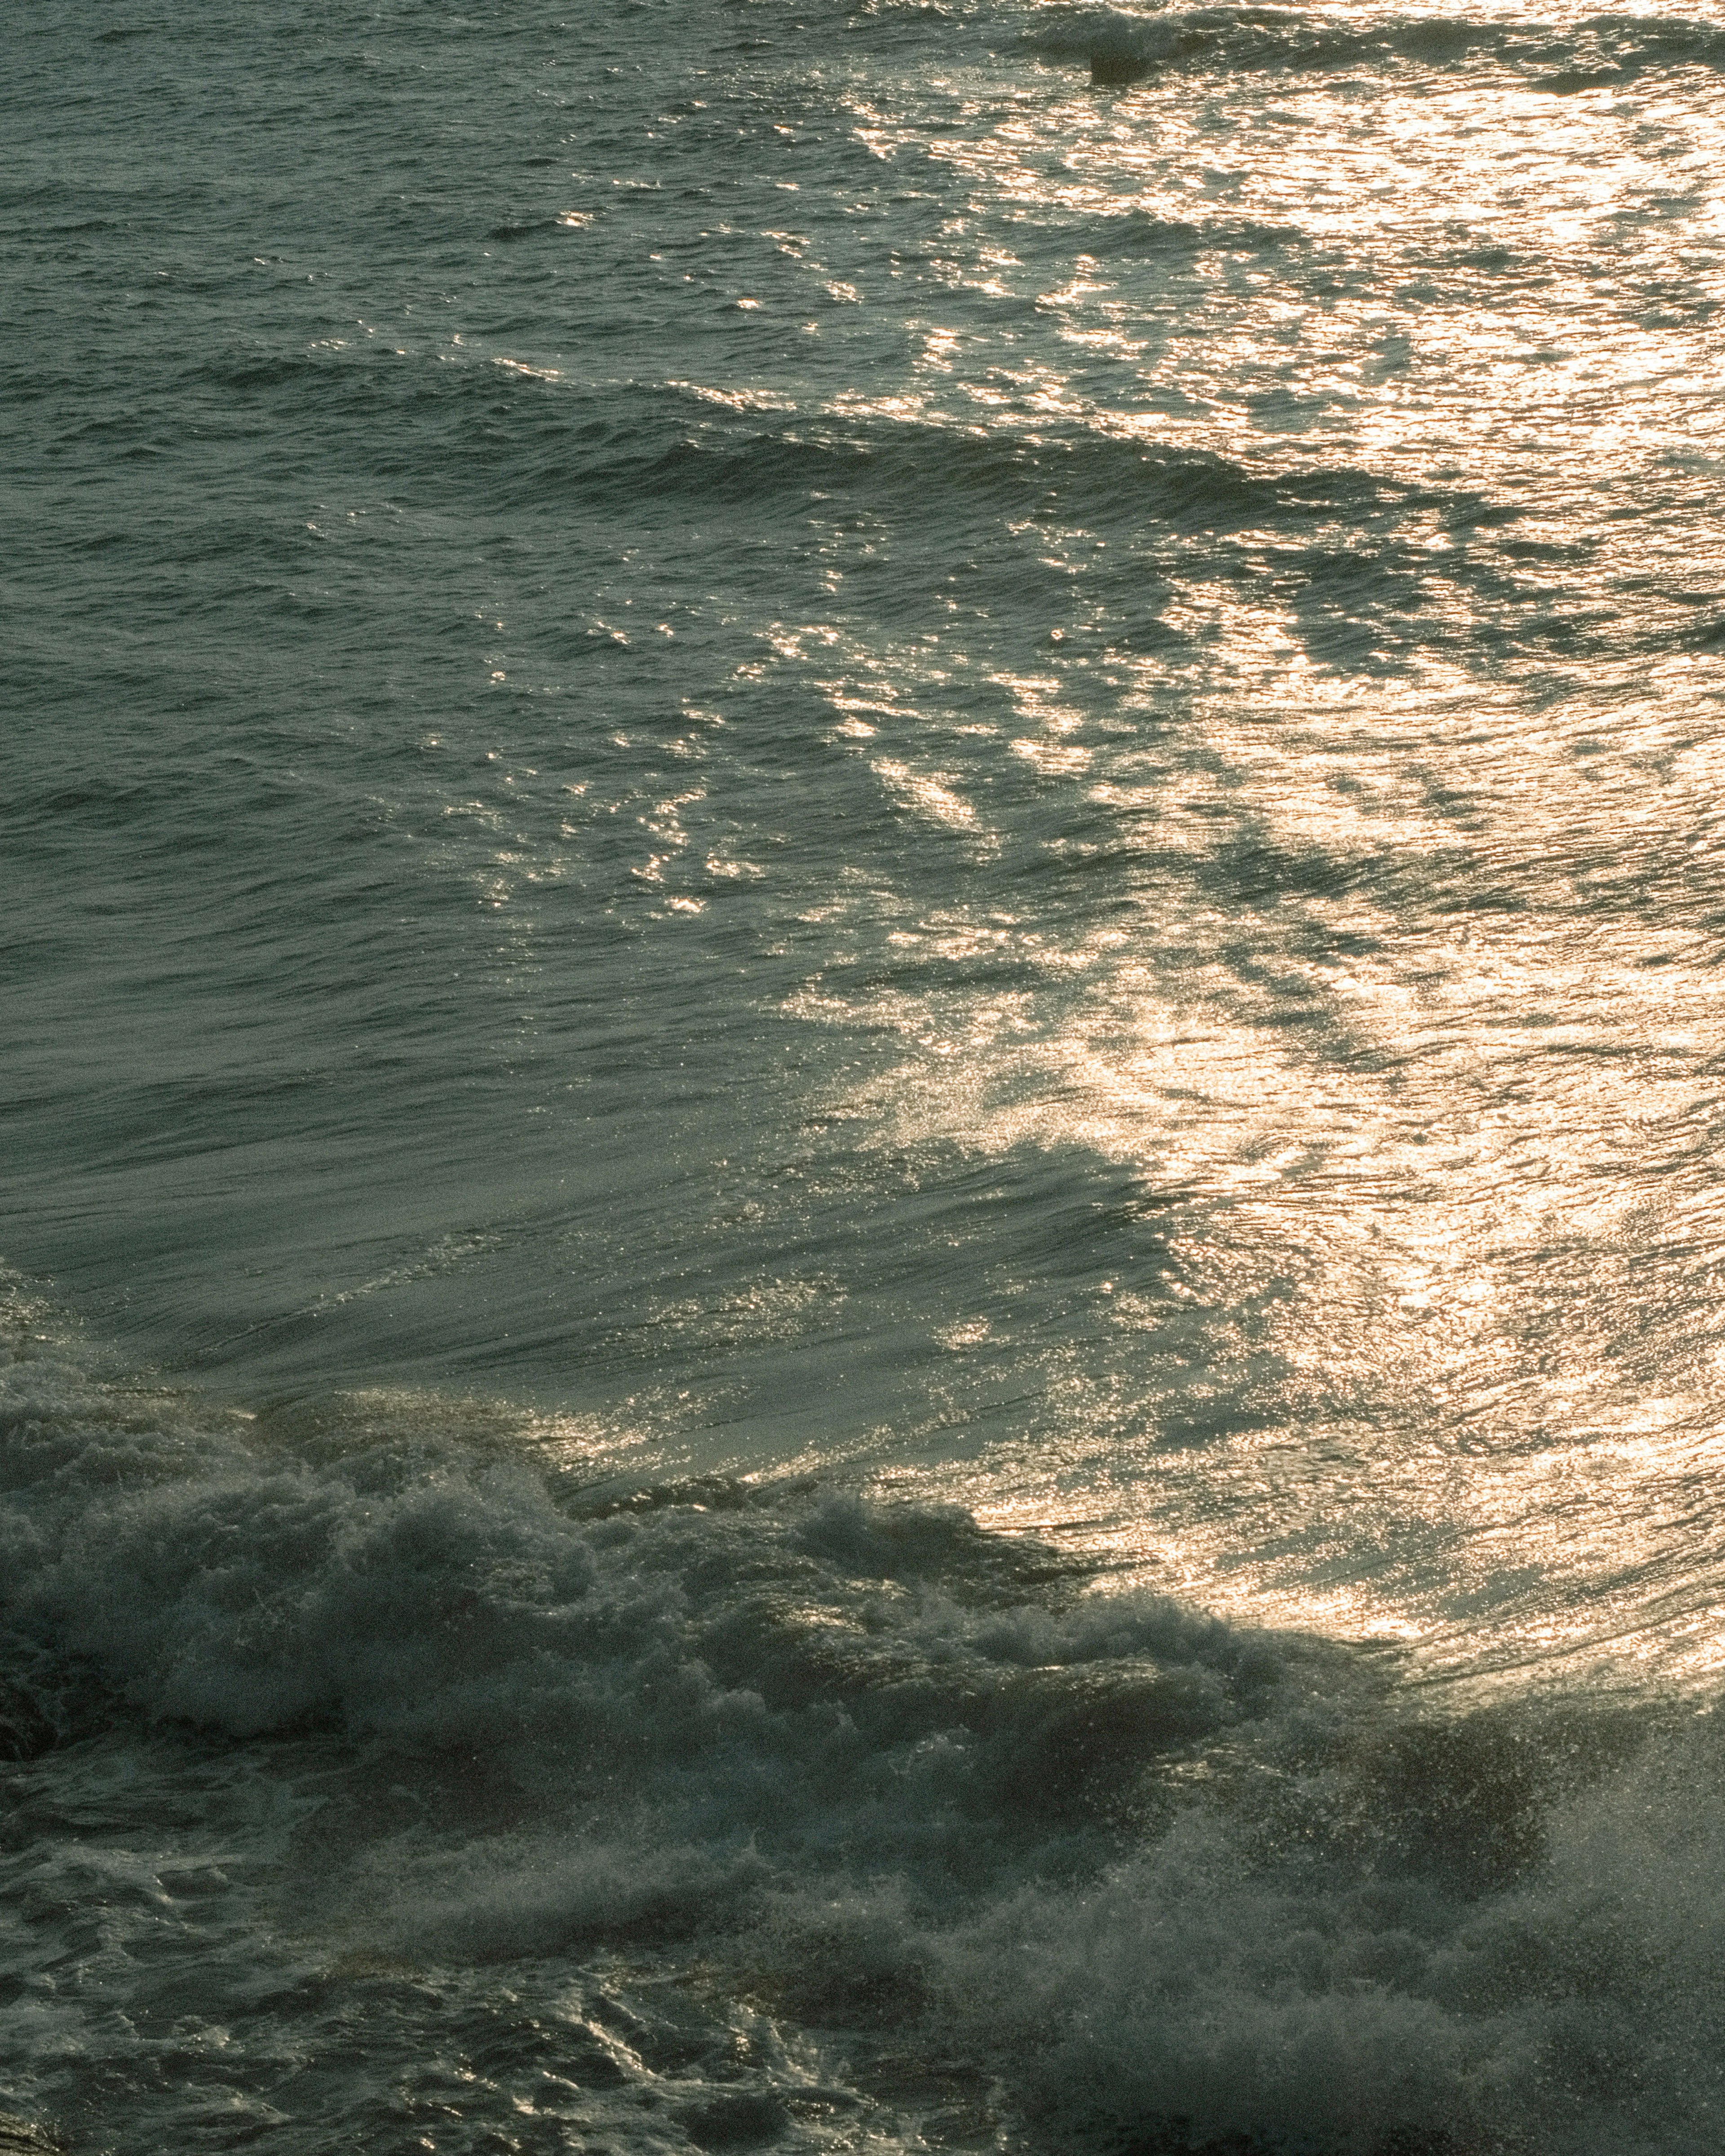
<point x="861" y="1071"/>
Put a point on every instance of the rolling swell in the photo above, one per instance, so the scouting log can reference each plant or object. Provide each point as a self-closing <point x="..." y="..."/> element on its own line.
<point x="509" y="444"/>
<point x="1595" y="51"/>
<point x="994" y="470"/>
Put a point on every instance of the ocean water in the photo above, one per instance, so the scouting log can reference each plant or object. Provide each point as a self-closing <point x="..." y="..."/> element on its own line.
<point x="861" y="1084"/>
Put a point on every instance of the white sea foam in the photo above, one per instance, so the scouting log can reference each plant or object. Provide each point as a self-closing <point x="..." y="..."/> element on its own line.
<point x="1155" y="1880"/>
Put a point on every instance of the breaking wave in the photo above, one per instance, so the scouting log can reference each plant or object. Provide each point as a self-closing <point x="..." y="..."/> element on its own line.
<point x="1121" y="1876"/>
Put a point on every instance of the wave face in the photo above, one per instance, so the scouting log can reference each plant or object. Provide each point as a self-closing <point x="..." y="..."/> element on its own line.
<point x="860" y="1079"/>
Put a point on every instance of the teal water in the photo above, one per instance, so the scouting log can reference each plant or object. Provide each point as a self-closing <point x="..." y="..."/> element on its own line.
<point x="860" y="1078"/>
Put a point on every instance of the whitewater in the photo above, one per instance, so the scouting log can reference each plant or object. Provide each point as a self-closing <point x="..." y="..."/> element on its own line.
<point x="860" y="1195"/>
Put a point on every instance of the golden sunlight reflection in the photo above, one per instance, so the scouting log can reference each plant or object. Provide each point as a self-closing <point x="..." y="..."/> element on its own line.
<point x="1375" y="1014"/>
<point x="1453" y="1137"/>
<point x="1437" y="180"/>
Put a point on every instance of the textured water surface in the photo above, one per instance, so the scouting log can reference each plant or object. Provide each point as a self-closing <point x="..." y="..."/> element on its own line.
<point x="861" y="1074"/>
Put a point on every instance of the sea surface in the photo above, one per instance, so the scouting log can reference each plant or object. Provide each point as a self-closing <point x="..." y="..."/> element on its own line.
<point x="862" y="1078"/>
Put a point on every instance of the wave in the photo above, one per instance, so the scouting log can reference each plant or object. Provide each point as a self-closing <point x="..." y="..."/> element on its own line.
<point x="985" y="468"/>
<point x="884" y="1784"/>
<point x="1123" y="44"/>
<point x="520" y="440"/>
<point x="514" y="435"/>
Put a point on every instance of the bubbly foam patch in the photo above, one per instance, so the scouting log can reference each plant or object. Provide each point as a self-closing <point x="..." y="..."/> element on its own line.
<point x="374" y="1703"/>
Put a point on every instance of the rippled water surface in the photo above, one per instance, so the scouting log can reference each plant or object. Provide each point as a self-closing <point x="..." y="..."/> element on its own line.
<point x="861" y="1072"/>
